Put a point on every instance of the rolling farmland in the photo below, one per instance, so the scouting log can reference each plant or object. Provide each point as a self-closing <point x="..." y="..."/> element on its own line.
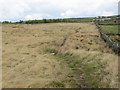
<point x="57" y="55"/>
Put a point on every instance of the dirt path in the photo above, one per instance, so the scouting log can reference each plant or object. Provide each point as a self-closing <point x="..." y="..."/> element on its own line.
<point x="36" y="54"/>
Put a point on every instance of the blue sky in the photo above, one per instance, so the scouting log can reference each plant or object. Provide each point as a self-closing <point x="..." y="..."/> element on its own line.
<point x="15" y="10"/>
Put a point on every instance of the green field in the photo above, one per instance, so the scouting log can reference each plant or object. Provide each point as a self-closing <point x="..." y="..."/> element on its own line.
<point x="113" y="29"/>
<point x="105" y="23"/>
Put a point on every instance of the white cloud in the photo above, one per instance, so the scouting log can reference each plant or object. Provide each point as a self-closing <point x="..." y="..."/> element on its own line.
<point x="105" y="13"/>
<point x="36" y="16"/>
<point x="12" y="9"/>
<point x="68" y="13"/>
<point x="38" y="9"/>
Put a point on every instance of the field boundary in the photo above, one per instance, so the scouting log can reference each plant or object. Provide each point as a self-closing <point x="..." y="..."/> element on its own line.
<point x="109" y="24"/>
<point x="115" y="47"/>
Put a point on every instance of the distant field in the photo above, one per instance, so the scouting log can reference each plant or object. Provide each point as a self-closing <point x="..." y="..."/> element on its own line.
<point x="113" y="29"/>
<point x="68" y="55"/>
<point x="107" y="22"/>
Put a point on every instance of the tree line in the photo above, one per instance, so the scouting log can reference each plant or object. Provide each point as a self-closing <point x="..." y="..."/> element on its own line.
<point x="50" y="21"/>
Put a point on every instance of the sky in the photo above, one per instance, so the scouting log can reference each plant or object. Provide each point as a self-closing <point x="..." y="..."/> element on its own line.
<point x="15" y="10"/>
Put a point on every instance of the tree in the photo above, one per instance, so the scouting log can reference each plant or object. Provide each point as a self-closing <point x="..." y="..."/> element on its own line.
<point x="44" y="20"/>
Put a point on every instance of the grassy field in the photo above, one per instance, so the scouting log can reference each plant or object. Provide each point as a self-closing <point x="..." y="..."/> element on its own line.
<point x="113" y="29"/>
<point x="56" y="55"/>
<point x="108" y="22"/>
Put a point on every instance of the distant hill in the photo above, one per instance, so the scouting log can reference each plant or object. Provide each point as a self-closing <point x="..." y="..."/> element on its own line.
<point x="88" y="19"/>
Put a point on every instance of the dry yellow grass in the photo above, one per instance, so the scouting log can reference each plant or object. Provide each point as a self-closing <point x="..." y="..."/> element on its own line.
<point x="0" y="56"/>
<point x="25" y="60"/>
